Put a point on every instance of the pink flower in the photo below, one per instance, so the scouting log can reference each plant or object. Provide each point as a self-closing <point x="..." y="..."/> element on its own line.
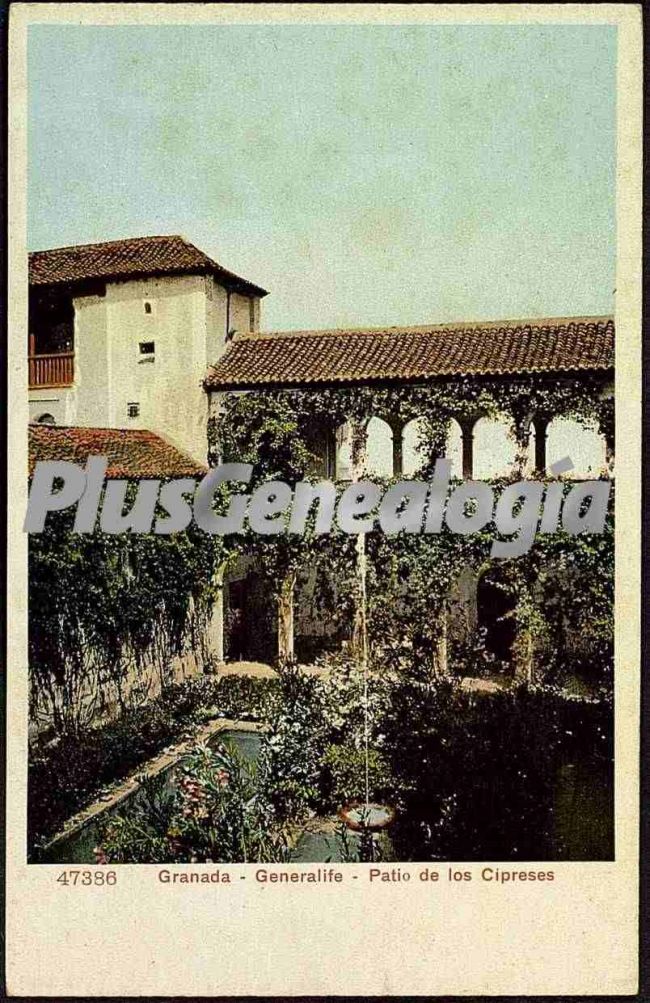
<point x="100" y="855"/>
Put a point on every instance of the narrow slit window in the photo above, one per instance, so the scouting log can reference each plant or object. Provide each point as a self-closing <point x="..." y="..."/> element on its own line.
<point x="147" y="306"/>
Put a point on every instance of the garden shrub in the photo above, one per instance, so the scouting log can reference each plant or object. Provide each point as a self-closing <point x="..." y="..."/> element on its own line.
<point x="292" y="751"/>
<point x="245" y="698"/>
<point x="475" y="773"/>
<point x="344" y="774"/>
<point x="469" y="656"/>
<point x="64" y="776"/>
<point x="219" y="813"/>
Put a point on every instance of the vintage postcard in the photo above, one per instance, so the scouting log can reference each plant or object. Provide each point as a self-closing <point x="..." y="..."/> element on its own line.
<point x="324" y="499"/>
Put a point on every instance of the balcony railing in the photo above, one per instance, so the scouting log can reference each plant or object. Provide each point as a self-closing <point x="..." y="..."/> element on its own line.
<point x="56" y="370"/>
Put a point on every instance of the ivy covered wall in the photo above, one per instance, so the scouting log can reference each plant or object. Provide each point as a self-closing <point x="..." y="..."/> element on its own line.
<point x="561" y="591"/>
<point x="114" y="619"/>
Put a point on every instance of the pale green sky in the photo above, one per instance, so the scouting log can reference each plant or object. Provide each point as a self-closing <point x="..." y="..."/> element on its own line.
<point x="363" y="174"/>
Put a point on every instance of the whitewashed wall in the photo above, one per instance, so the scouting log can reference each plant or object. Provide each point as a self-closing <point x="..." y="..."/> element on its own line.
<point x="379" y="449"/>
<point x="185" y="318"/>
<point x="494" y="449"/>
<point x="584" y="445"/>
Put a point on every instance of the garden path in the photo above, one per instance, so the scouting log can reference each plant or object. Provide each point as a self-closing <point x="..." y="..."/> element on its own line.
<point x="259" y="670"/>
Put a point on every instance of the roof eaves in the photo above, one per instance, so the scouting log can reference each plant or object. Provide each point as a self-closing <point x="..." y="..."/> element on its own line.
<point x="216" y="385"/>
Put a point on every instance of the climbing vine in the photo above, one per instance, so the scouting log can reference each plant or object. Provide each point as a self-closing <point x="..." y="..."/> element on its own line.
<point x="561" y="582"/>
<point x="274" y="429"/>
<point x="107" y="613"/>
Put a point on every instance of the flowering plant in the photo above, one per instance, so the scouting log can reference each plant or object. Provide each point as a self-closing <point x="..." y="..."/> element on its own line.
<point x="219" y="813"/>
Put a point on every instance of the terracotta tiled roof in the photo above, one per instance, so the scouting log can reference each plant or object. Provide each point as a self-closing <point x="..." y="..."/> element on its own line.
<point x="130" y="452"/>
<point x="122" y="259"/>
<point x="413" y="353"/>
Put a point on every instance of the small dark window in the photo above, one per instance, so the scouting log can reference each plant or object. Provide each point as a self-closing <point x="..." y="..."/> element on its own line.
<point x="147" y="307"/>
<point x="147" y="347"/>
<point x="133" y="410"/>
<point x="251" y="314"/>
<point x="45" y="419"/>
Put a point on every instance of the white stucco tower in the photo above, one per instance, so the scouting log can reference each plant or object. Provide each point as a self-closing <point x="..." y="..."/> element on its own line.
<point x="121" y="335"/>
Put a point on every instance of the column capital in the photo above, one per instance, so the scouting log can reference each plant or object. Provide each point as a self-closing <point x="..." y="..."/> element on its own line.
<point x="467" y="422"/>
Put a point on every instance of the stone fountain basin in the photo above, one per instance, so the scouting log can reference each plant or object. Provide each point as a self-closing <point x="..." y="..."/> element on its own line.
<point x="372" y="816"/>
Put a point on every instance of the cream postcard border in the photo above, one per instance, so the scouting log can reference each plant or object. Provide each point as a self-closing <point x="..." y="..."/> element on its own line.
<point x="577" y="936"/>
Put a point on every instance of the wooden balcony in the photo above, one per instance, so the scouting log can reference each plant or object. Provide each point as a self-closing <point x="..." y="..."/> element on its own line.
<point x="55" y="370"/>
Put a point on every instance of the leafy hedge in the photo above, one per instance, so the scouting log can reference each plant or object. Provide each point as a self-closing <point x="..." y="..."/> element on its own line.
<point x="476" y="774"/>
<point x="107" y="609"/>
<point x="473" y="776"/>
<point x="64" y="776"/>
<point x="220" y="811"/>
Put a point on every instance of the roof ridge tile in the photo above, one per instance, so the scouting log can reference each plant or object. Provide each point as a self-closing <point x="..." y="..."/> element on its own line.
<point x="128" y="257"/>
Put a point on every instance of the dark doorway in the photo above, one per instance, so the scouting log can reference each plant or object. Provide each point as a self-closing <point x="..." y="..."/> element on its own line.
<point x="321" y="443"/>
<point x="51" y="323"/>
<point x="250" y="633"/>
<point x="496" y="605"/>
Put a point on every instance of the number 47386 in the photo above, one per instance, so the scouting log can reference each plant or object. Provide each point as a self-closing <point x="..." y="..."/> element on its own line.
<point x="87" y="878"/>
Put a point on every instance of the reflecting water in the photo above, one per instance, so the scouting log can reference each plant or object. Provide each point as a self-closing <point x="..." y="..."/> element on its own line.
<point x="78" y="847"/>
<point x="582" y="812"/>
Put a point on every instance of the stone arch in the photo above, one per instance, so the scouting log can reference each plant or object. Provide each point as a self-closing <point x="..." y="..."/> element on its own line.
<point x="454" y="448"/>
<point x="584" y="443"/>
<point x="343" y="452"/>
<point x="413" y="457"/>
<point x="45" y="419"/>
<point x="379" y="448"/>
<point x="250" y="617"/>
<point x="495" y="449"/>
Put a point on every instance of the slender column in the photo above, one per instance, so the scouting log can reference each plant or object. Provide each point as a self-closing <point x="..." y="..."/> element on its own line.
<point x="358" y="442"/>
<point x="215" y="630"/>
<point x="467" y="429"/>
<point x="330" y="454"/>
<point x="285" y="618"/>
<point x="540" y="424"/>
<point x="344" y="460"/>
<point x="440" y="649"/>
<point x="607" y="428"/>
<point x="397" y="428"/>
<point x="607" y="424"/>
